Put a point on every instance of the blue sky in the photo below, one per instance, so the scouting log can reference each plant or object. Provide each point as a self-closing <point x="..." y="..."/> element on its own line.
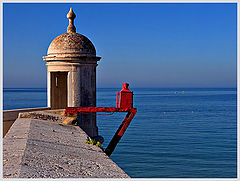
<point x="147" y="45"/>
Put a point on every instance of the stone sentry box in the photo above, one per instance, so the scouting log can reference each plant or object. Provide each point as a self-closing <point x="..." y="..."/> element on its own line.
<point x="71" y="74"/>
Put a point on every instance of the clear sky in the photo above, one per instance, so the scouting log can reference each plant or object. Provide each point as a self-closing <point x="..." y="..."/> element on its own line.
<point x="147" y="45"/>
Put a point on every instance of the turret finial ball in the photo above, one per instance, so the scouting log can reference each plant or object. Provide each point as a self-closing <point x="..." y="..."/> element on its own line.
<point x="71" y="14"/>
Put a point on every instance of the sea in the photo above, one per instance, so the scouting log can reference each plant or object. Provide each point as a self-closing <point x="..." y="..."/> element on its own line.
<point x="176" y="133"/>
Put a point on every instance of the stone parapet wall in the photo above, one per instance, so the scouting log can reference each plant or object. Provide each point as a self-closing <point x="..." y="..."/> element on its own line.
<point x="35" y="148"/>
<point x="9" y="116"/>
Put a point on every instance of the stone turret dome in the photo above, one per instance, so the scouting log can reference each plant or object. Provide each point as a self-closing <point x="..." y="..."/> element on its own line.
<point x="71" y="43"/>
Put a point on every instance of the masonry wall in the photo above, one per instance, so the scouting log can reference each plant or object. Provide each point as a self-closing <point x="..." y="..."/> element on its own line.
<point x="81" y="89"/>
<point x="9" y="116"/>
<point x="35" y="148"/>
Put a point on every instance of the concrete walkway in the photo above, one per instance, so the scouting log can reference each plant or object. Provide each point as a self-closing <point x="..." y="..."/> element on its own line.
<point x="35" y="148"/>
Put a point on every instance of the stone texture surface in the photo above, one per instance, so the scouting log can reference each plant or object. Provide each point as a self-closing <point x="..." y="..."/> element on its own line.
<point x="45" y="115"/>
<point x="9" y="116"/>
<point x="73" y="44"/>
<point x="36" y="148"/>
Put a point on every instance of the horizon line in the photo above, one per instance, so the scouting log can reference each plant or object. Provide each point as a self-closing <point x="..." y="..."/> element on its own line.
<point x="130" y="88"/>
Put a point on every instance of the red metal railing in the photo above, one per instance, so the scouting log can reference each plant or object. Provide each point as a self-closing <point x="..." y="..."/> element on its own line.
<point x="124" y="103"/>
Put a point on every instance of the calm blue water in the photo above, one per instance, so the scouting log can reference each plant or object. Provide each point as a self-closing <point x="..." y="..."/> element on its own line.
<point x="195" y="137"/>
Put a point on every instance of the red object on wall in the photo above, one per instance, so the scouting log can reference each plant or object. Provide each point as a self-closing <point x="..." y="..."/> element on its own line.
<point x="124" y="97"/>
<point x="124" y="104"/>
